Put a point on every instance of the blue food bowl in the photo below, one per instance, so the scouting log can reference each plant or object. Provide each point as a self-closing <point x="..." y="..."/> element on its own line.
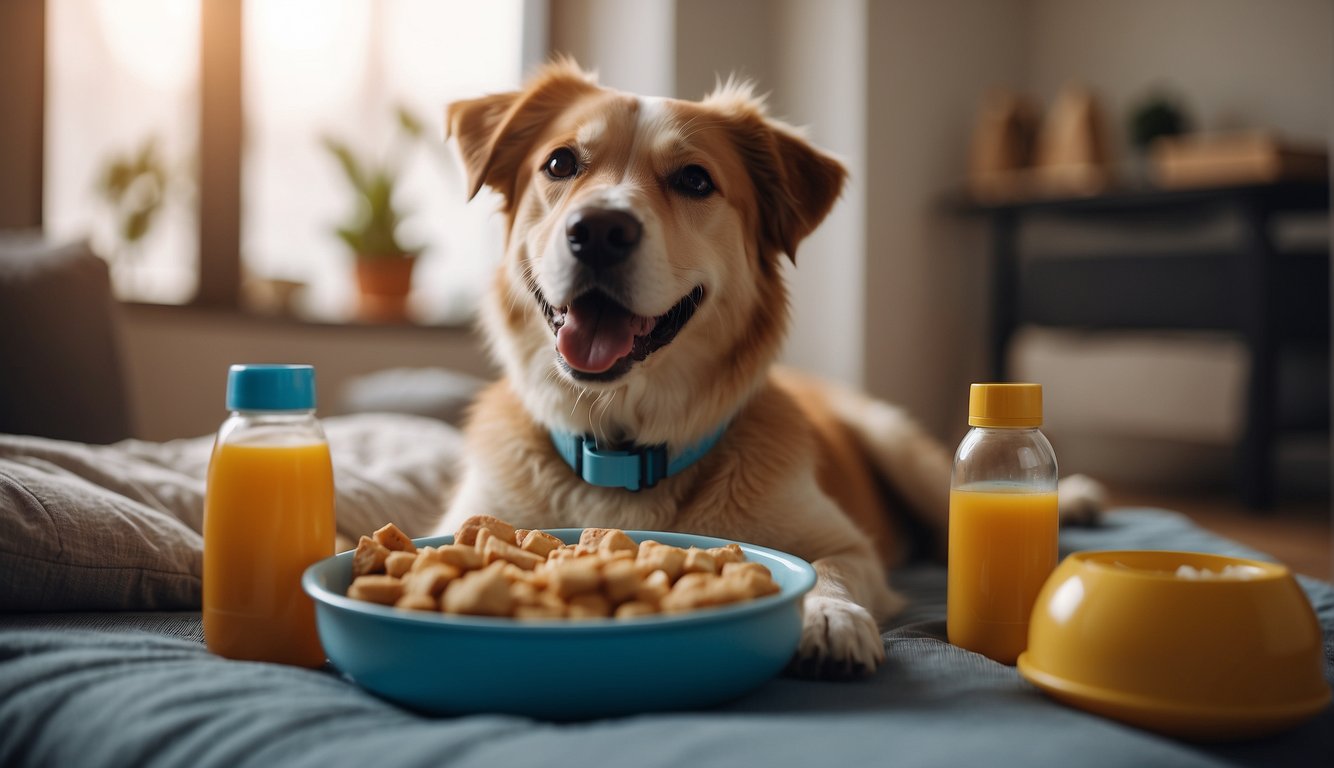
<point x="441" y="663"/>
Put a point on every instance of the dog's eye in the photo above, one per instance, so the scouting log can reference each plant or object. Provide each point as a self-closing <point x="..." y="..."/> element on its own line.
<point x="694" y="181"/>
<point x="562" y="164"/>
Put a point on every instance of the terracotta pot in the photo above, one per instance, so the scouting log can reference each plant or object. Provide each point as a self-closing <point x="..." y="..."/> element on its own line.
<point x="383" y="285"/>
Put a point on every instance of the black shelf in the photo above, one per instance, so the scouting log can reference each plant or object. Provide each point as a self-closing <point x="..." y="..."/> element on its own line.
<point x="1270" y="299"/>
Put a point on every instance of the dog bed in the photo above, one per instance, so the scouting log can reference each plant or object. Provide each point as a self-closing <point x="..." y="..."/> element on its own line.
<point x="102" y="661"/>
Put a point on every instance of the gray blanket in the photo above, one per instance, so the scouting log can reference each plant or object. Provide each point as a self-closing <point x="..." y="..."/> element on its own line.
<point x="140" y="690"/>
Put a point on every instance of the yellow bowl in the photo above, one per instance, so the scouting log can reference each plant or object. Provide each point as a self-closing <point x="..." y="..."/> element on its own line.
<point x="1231" y="655"/>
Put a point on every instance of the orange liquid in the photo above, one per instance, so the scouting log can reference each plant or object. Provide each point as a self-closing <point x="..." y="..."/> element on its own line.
<point x="268" y="514"/>
<point x="1002" y="548"/>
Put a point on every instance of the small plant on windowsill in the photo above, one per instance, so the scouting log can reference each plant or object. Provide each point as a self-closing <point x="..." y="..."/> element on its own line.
<point x="134" y="186"/>
<point x="384" y="264"/>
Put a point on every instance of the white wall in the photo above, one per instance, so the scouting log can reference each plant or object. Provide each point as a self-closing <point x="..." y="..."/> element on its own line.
<point x="1235" y="63"/>
<point x="824" y="88"/>
<point x="926" y="276"/>
<point x="176" y="360"/>
<point x="629" y="42"/>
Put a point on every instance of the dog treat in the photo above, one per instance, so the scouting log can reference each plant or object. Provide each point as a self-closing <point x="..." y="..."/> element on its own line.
<point x="540" y="543"/>
<point x="635" y="608"/>
<point x="482" y="593"/>
<point x="496" y="549"/>
<point x="390" y="537"/>
<point x="660" y="557"/>
<point x="654" y="588"/>
<point x="467" y="533"/>
<point x="376" y="588"/>
<point x="616" y="541"/>
<point x="574" y="577"/>
<point x="699" y="561"/>
<point x="589" y="605"/>
<point x="729" y="554"/>
<point x="461" y="556"/>
<point x="590" y="537"/>
<point x="413" y="602"/>
<point x="369" y="557"/>
<point x="398" y="563"/>
<point x="620" y="581"/>
<point x="496" y="570"/>
<point x="431" y="580"/>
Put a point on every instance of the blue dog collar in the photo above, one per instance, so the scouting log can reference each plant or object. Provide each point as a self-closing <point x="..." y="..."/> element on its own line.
<point x="642" y="466"/>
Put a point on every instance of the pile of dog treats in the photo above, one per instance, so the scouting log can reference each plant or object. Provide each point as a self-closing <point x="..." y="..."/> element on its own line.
<point x="493" y="569"/>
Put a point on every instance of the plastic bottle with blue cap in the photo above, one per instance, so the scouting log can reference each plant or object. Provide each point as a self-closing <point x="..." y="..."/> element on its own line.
<point x="268" y="515"/>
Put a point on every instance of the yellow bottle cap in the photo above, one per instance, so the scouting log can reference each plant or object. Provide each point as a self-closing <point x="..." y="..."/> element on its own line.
<point x="1005" y="405"/>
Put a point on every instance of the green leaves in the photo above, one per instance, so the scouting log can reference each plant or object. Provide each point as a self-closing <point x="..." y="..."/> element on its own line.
<point x="409" y="123"/>
<point x="347" y="161"/>
<point x="1157" y="115"/>
<point x="135" y="186"/>
<point x="371" y="231"/>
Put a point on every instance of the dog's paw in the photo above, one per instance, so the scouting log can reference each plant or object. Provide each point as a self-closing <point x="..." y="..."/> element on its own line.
<point x="839" y="640"/>
<point x="1080" y="500"/>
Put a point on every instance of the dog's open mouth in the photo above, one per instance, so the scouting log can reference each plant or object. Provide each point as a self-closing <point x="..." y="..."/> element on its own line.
<point x="599" y="339"/>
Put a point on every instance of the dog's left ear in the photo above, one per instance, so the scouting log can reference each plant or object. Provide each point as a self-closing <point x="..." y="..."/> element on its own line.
<point x="797" y="191"/>
<point x="795" y="184"/>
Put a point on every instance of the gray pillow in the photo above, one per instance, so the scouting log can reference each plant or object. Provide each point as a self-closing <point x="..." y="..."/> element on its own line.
<point x="67" y="544"/>
<point x="117" y="527"/>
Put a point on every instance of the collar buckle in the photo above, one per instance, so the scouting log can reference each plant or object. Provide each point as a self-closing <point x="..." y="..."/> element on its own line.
<point x="635" y="468"/>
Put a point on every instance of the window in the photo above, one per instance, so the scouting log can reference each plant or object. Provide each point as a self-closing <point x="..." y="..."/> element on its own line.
<point x="122" y="122"/>
<point x="343" y="69"/>
<point x="123" y="130"/>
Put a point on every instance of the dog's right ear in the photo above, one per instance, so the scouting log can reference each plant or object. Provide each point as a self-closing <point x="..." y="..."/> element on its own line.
<point x="495" y="132"/>
<point x="475" y="124"/>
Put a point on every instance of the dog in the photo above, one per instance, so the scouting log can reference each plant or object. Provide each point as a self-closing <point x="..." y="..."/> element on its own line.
<point x="637" y="316"/>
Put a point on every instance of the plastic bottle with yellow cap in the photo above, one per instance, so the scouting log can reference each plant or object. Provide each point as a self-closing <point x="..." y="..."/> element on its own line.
<point x="1002" y="523"/>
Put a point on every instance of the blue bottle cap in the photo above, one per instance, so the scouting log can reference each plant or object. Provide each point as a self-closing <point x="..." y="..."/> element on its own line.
<point x="271" y="388"/>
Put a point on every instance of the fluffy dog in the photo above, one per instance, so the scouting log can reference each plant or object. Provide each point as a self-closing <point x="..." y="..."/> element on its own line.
<point x="636" y="316"/>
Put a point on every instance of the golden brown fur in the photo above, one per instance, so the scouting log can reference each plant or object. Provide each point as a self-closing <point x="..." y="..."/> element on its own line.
<point x="801" y="465"/>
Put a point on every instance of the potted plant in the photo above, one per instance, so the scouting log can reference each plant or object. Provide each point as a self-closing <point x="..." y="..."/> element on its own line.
<point x="384" y="264"/>
<point x="1156" y="116"/>
<point x="134" y="186"/>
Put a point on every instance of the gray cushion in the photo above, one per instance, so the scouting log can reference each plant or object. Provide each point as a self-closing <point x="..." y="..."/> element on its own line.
<point x="58" y="341"/>
<point x="88" y="527"/>
<point x="436" y="392"/>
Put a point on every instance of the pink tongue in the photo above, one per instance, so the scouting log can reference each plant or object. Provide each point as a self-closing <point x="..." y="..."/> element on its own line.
<point x="597" y="333"/>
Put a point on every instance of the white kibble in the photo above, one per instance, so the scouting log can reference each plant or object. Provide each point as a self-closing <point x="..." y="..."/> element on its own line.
<point x="1239" y="572"/>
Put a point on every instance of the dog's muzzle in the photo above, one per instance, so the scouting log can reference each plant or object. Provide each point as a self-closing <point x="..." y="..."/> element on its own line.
<point x="598" y="337"/>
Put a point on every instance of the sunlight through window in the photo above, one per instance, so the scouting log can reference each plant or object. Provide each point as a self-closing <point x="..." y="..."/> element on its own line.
<point x="351" y="71"/>
<point x="343" y="162"/>
<point x="122" y="117"/>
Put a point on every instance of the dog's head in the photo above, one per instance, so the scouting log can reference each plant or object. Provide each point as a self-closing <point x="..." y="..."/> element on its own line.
<point x="641" y="295"/>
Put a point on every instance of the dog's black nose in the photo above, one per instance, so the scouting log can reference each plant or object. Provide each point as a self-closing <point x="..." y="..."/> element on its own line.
<point x="602" y="237"/>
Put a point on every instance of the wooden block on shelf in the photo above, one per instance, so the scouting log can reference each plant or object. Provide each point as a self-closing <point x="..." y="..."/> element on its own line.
<point x="1234" y="159"/>
<point x="1013" y="160"/>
